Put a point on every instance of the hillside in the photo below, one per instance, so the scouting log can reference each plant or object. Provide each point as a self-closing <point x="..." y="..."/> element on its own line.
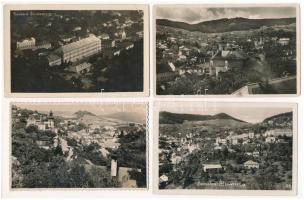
<point x="174" y="118"/>
<point x="227" y="25"/>
<point x="223" y="123"/>
<point x="283" y="117"/>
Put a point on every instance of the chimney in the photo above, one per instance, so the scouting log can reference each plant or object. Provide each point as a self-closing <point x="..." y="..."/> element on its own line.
<point x="113" y="167"/>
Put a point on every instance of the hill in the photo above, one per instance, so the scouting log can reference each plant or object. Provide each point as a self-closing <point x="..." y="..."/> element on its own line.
<point x="227" y="25"/>
<point x="174" y="118"/>
<point x="127" y="117"/>
<point x="83" y="113"/>
<point x="280" y="118"/>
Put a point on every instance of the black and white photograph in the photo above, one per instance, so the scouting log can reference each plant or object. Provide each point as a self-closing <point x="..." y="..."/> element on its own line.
<point x="231" y="147"/>
<point x="237" y="50"/>
<point x="77" y="49"/>
<point x="78" y="145"/>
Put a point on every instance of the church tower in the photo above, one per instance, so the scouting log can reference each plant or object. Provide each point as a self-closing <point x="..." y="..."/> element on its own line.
<point x="51" y="120"/>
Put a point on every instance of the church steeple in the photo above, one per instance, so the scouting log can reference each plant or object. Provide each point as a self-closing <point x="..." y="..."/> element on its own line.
<point x="51" y="120"/>
<point x="51" y="116"/>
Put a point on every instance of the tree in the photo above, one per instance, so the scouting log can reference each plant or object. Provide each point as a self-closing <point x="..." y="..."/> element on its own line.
<point x="31" y="129"/>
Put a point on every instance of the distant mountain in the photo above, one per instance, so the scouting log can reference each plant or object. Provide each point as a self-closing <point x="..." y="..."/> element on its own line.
<point x="227" y="25"/>
<point x="83" y="113"/>
<point x="174" y="118"/>
<point x="280" y="118"/>
<point x="225" y="116"/>
<point x="127" y="117"/>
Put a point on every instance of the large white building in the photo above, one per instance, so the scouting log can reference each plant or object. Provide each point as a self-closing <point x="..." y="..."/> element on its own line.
<point x="26" y="44"/>
<point x="80" y="49"/>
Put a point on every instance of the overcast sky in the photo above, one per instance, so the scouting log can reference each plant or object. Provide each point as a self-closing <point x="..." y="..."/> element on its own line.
<point x="198" y="14"/>
<point x="249" y="112"/>
<point x="97" y="109"/>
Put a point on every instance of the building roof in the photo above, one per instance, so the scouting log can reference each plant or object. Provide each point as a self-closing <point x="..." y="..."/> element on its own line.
<point x="277" y="132"/>
<point x="27" y="40"/>
<point x="212" y="166"/>
<point x="250" y="162"/>
<point x="81" y="66"/>
<point x="80" y="43"/>
<point x="163" y="178"/>
<point x="53" y="57"/>
<point x="234" y="55"/>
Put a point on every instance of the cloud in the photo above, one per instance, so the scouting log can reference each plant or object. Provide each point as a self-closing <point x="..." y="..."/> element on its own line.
<point x="198" y="14"/>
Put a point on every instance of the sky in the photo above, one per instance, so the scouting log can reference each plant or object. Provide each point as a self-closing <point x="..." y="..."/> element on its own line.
<point x="97" y="109"/>
<point x="249" y="112"/>
<point x="199" y="14"/>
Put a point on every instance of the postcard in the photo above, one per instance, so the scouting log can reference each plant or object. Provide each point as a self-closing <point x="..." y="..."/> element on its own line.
<point x="76" y="50"/>
<point x="77" y="146"/>
<point x="225" y="148"/>
<point x="226" y="50"/>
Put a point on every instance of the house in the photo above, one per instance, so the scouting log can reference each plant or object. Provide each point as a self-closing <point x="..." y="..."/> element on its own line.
<point x="43" y="45"/>
<point x="67" y="38"/>
<point x="217" y="148"/>
<point x="93" y="127"/>
<point x="248" y="153"/>
<point x="256" y="154"/>
<point x="192" y="147"/>
<point x="222" y="62"/>
<point x="140" y="34"/>
<point x="212" y="168"/>
<point x="251" y="135"/>
<point x="28" y="43"/>
<point x="278" y="132"/>
<point x="284" y="41"/>
<point x="163" y="178"/>
<point x="104" y="36"/>
<point x="219" y="141"/>
<point x="107" y="44"/>
<point x="166" y="76"/>
<point x="53" y="60"/>
<point x="231" y="150"/>
<point x="129" y="46"/>
<point x="31" y="121"/>
<point x="251" y="165"/>
<point x="81" y="68"/>
<point x="175" y="159"/>
<point x="270" y="139"/>
<point x="171" y="65"/>
<point x="116" y="53"/>
<point x="77" y="28"/>
<point x="235" y="141"/>
<point x="43" y="144"/>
